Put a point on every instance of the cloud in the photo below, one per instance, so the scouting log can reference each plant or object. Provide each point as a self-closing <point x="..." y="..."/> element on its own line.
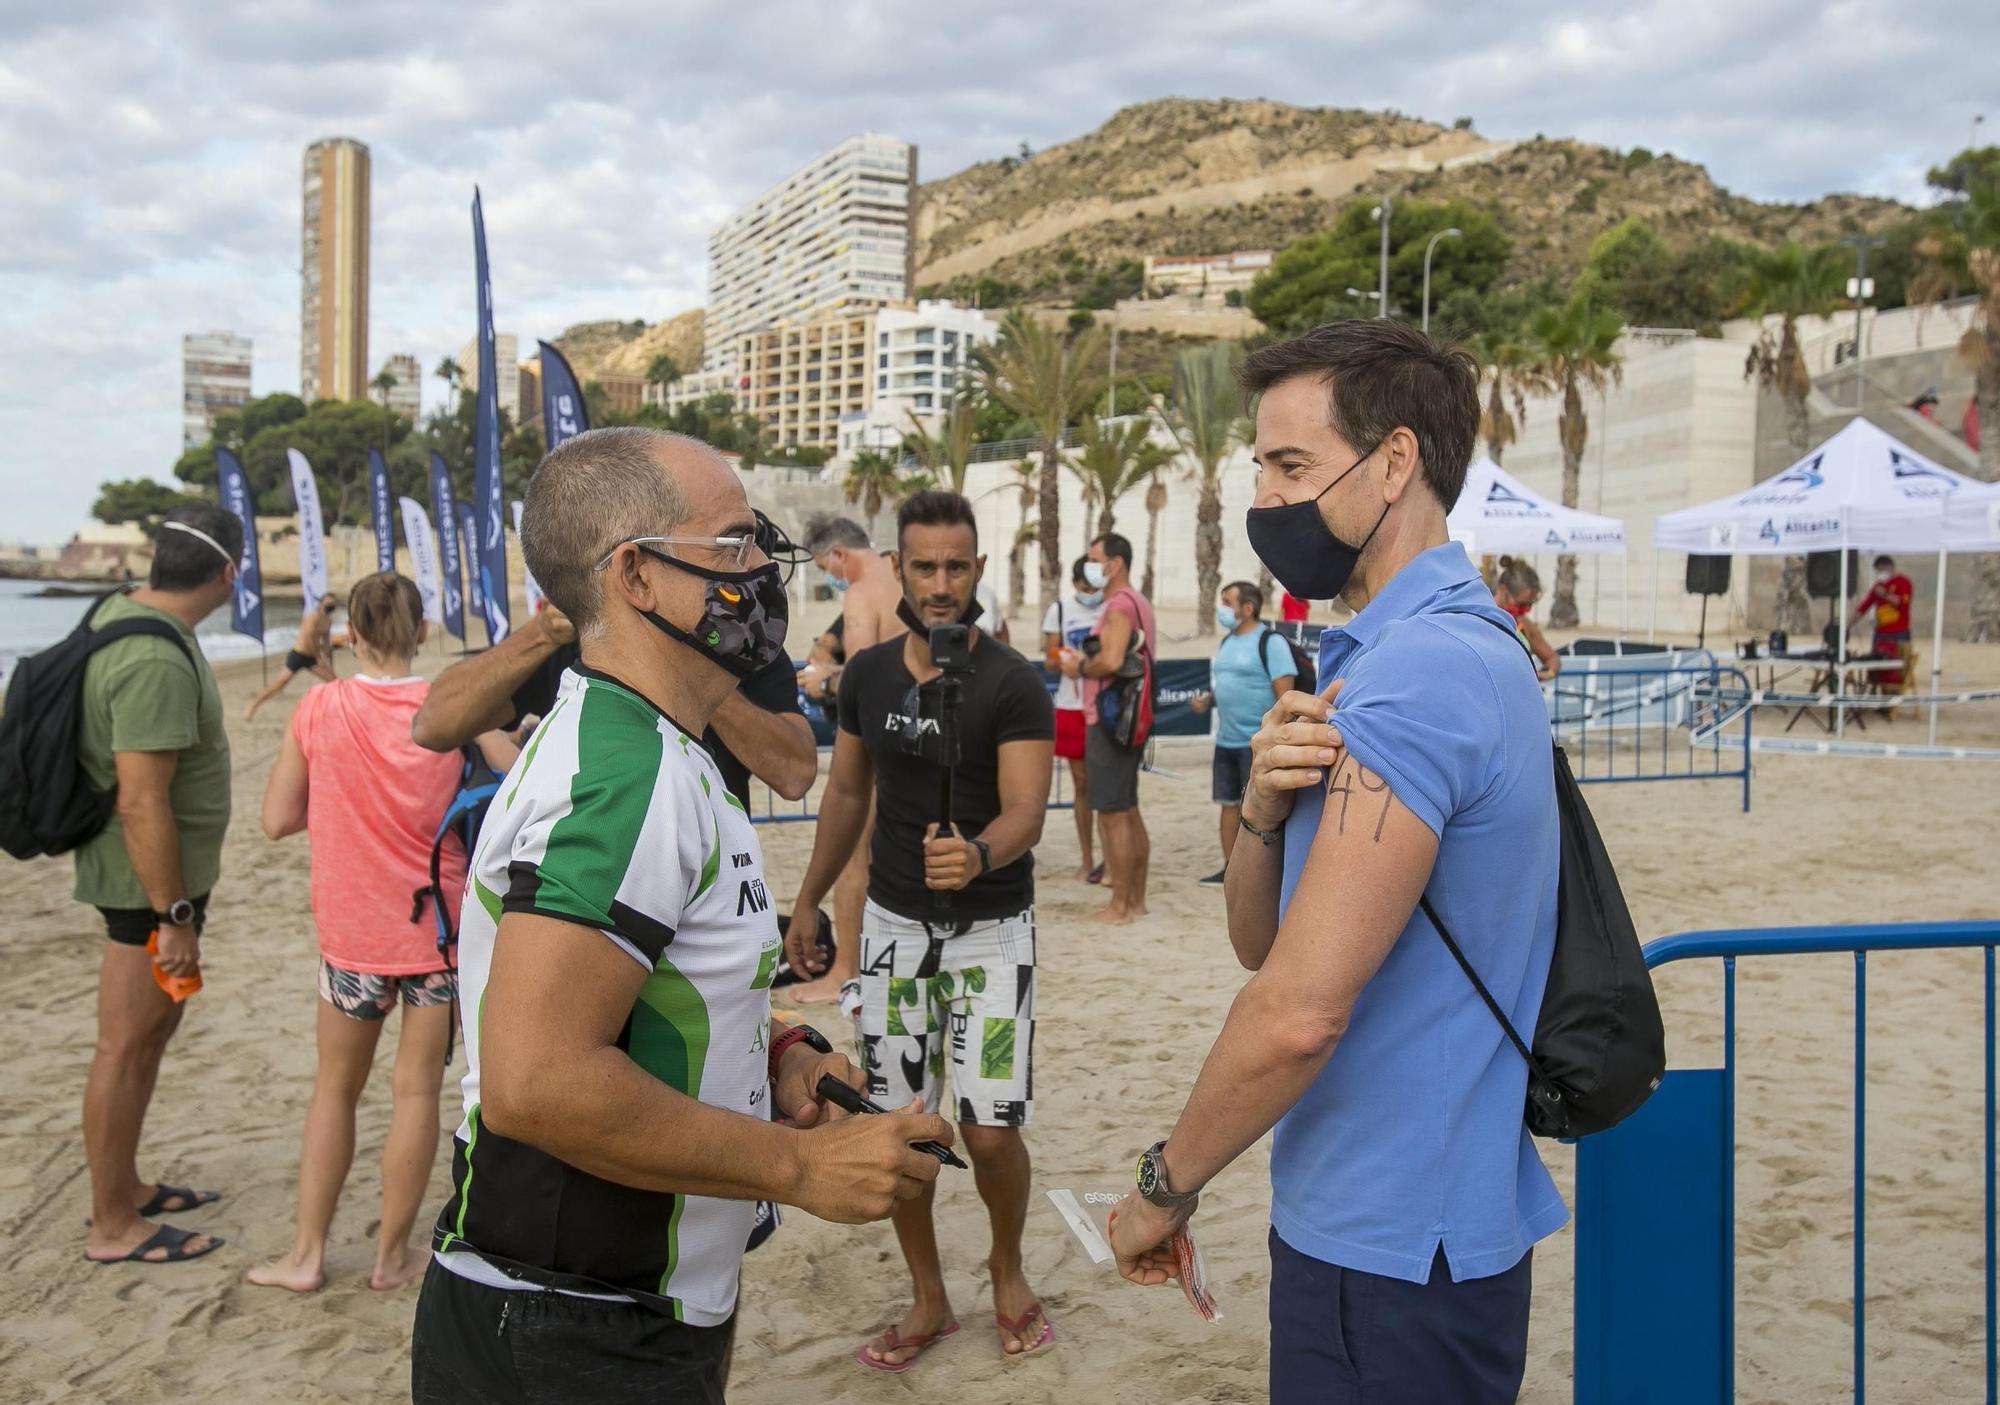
<point x="151" y="186"/>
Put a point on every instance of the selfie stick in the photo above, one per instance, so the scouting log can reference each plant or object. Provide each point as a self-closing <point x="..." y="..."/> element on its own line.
<point x="948" y="695"/>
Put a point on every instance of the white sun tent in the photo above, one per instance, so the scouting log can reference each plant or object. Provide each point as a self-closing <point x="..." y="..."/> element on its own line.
<point x="1972" y="518"/>
<point x="1498" y="514"/>
<point x="1861" y="488"/>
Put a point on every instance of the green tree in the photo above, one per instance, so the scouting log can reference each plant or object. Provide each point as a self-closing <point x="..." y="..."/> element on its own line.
<point x="872" y="479"/>
<point x="139" y="500"/>
<point x="1111" y="461"/>
<point x="1632" y="271"/>
<point x="1307" y="283"/>
<point x="1571" y="349"/>
<point x="1791" y="281"/>
<point x="451" y="373"/>
<point x="663" y="370"/>
<point x="384" y="382"/>
<point x="1502" y="361"/>
<point x="1204" y="415"/>
<point x="1048" y="380"/>
<point x="1156" y="503"/>
<point x="1960" y="257"/>
<point x="947" y="453"/>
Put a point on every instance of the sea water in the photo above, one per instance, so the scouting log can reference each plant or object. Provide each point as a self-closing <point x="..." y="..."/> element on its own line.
<point x="30" y="622"/>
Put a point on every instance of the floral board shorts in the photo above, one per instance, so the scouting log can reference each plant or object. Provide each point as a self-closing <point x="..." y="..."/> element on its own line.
<point x="930" y="992"/>
<point x="362" y="996"/>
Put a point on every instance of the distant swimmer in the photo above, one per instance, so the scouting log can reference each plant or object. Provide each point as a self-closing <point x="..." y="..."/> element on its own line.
<point x="311" y="652"/>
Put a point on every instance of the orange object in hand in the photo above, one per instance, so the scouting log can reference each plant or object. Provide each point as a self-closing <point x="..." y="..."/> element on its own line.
<point x="178" y="988"/>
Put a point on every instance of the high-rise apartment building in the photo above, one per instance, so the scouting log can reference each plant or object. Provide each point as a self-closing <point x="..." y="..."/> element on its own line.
<point x="802" y="378"/>
<point x="918" y="358"/>
<point x="506" y="361"/>
<point x="833" y="239"/>
<point x="215" y="379"/>
<point x="406" y="396"/>
<point x="333" y="272"/>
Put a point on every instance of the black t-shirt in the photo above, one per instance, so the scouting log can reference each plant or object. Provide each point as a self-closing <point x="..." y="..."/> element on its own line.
<point x="774" y="687"/>
<point x="1002" y="699"/>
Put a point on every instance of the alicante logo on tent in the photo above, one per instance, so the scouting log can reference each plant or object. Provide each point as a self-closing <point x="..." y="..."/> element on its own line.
<point x="1791" y="486"/>
<point x="1499" y="494"/>
<point x="1920" y="480"/>
<point x="1555" y="539"/>
<point x="1769" y="532"/>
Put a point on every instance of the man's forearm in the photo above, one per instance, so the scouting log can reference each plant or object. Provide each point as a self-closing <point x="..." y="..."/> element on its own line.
<point x="1250" y="897"/>
<point x="843" y="814"/>
<point x="1014" y="831"/>
<point x="153" y="843"/>
<point x="610" y="1118"/>
<point x="477" y="694"/>
<point x="1261" y="1064"/>
<point x="777" y="747"/>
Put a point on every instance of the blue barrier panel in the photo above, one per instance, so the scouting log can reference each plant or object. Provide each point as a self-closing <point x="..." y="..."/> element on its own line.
<point x="1627" y="720"/>
<point x="1655" y="1196"/>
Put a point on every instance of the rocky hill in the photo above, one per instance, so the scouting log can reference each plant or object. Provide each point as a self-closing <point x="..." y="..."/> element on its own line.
<point x="598" y="349"/>
<point x="1180" y="176"/>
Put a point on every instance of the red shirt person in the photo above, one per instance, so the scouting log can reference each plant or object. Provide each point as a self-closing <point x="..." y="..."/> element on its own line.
<point x="1889" y="597"/>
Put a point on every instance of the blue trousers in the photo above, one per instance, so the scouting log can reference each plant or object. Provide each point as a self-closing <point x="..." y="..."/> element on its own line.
<point x="1342" y="1337"/>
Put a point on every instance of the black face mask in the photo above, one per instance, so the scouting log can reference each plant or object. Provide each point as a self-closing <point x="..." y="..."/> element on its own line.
<point x="1295" y="544"/>
<point x="915" y="621"/>
<point x="743" y="616"/>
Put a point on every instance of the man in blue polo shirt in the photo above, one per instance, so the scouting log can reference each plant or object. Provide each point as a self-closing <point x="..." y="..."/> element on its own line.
<point x="1406" y="1194"/>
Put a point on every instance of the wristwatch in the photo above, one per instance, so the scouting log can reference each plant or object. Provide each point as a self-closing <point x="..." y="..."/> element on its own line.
<point x="985" y="857"/>
<point x="797" y="1034"/>
<point x="1153" y="1181"/>
<point x="179" y="913"/>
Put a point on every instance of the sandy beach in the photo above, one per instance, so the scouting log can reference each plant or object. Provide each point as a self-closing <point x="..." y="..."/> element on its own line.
<point x="1126" y="1016"/>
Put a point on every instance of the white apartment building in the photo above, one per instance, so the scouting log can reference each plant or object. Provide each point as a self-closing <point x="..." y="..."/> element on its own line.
<point x="507" y="359"/>
<point x="215" y="379"/>
<point x="406" y="396"/>
<point x="833" y="238"/>
<point x="919" y="356"/>
<point x="1208" y="278"/>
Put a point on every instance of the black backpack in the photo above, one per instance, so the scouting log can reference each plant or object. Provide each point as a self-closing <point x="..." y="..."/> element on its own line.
<point x="1305" y="675"/>
<point x="1600" y="1047"/>
<point x="478" y="783"/>
<point x="47" y="804"/>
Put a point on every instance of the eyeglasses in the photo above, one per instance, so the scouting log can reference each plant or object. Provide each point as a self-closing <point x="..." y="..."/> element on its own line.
<point x="734" y="551"/>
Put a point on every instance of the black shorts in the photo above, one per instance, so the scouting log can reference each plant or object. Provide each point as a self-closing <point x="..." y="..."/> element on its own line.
<point x="1110" y="771"/>
<point x="296" y="662"/>
<point x="133" y="926"/>
<point x="475" y="1345"/>
<point x="1229" y="774"/>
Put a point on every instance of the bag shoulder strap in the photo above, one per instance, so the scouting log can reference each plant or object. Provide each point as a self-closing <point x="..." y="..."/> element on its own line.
<point x="1458" y="955"/>
<point x="134" y="628"/>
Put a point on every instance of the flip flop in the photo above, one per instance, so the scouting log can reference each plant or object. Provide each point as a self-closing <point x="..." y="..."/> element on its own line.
<point x="166" y="1237"/>
<point x="1016" y="1326"/>
<point x="183" y="1198"/>
<point x="892" y="1340"/>
<point x="1096" y="874"/>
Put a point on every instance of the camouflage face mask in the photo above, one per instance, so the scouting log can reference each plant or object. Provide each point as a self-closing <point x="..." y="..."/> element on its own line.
<point x="742" y="624"/>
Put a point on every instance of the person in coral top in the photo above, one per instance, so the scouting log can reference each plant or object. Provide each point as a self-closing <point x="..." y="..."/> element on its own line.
<point x="369" y="799"/>
<point x="1888" y="598"/>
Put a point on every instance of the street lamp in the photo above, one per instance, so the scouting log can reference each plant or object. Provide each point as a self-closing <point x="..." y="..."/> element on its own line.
<point x="1428" y="250"/>
<point x="1381" y="212"/>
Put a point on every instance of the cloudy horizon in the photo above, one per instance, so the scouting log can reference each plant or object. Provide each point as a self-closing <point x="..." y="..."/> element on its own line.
<point x="152" y="188"/>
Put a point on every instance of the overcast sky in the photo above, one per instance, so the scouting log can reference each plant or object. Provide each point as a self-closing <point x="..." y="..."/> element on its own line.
<point x="150" y="182"/>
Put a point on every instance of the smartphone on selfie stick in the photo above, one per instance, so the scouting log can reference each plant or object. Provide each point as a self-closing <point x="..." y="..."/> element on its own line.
<point x="951" y="651"/>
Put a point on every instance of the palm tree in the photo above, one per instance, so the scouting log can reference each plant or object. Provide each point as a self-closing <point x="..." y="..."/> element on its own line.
<point x="947" y="453"/>
<point x="1792" y="281"/>
<point x="1501" y="360"/>
<point x="1156" y="502"/>
<point x="753" y="446"/>
<point x="1952" y="260"/>
<point x="1205" y="415"/>
<point x="384" y="382"/>
<point x="1571" y="349"/>
<point x="1017" y="565"/>
<point x="1044" y="377"/>
<point x="872" y="477"/>
<point x="1113" y="461"/>
<point x="451" y="373"/>
<point x="662" y="370"/>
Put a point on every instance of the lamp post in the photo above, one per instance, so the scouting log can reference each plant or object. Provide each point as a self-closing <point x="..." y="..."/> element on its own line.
<point x="1860" y="287"/>
<point x="1382" y="212"/>
<point x="1429" y="249"/>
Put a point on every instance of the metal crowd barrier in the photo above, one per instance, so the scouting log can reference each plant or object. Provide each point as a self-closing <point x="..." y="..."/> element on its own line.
<point x="1655" y="1295"/>
<point x="1653" y="724"/>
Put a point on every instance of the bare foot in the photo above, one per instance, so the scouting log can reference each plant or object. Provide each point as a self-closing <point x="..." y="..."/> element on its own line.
<point x="291" y="1272"/>
<point x="824" y="991"/>
<point x="1110" y="915"/>
<point x="1015" y="1302"/>
<point x="1139" y="910"/>
<point x="919" y="1327"/>
<point x="109" y="1247"/>
<point x="391" y="1273"/>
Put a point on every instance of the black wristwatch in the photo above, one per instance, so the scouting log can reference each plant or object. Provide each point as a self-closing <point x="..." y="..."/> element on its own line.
<point x="179" y="913"/>
<point x="1153" y="1181"/>
<point x="985" y="857"/>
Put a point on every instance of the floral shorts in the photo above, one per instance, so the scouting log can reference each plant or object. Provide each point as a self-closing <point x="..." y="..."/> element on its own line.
<point x="362" y="996"/>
